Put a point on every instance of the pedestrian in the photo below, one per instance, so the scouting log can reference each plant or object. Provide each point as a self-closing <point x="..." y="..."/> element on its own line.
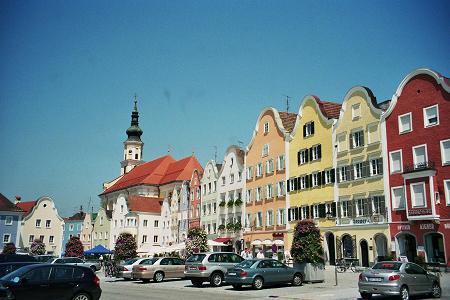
<point x="244" y="253"/>
<point x="100" y="259"/>
<point x="260" y="254"/>
<point x="249" y="254"/>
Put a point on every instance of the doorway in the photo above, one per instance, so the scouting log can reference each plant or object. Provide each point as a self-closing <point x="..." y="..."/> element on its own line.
<point x="331" y="248"/>
<point x="434" y="248"/>
<point x="407" y="246"/>
<point x="364" y="253"/>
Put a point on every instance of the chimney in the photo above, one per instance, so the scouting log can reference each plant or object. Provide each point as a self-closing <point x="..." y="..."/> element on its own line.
<point x="17" y="199"/>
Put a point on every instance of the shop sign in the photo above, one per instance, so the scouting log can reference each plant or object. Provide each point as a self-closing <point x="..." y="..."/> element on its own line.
<point x="447" y="226"/>
<point x="403" y="227"/>
<point x="361" y="221"/>
<point x="427" y="226"/>
<point x="420" y="212"/>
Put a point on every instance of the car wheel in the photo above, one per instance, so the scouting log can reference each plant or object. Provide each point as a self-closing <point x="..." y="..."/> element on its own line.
<point x="158" y="277"/>
<point x="216" y="279"/>
<point x="81" y="296"/>
<point x="258" y="283"/>
<point x="237" y="286"/>
<point x="298" y="279"/>
<point x="436" y="290"/>
<point x="366" y="295"/>
<point x="146" y="280"/>
<point x="404" y="293"/>
<point x="196" y="283"/>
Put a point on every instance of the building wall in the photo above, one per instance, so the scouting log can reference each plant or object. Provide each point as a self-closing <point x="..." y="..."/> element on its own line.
<point x="255" y="235"/>
<point x="101" y="234"/>
<point x="10" y="229"/>
<point x="209" y="185"/>
<point x="43" y="210"/>
<point x="86" y="232"/>
<point x="195" y="200"/>
<point x="71" y="228"/>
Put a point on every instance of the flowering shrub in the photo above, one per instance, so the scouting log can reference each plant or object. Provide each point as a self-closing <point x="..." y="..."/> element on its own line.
<point x="74" y="247"/>
<point x="9" y="248"/>
<point x="126" y="246"/>
<point x="196" y="241"/>
<point x="37" y="248"/>
<point x="307" y="243"/>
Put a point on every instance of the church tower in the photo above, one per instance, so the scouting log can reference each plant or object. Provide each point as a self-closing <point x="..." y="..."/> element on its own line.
<point x="133" y="146"/>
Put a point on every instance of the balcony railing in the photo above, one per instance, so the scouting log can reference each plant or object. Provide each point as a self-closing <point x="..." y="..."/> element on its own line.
<point x="423" y="166"/>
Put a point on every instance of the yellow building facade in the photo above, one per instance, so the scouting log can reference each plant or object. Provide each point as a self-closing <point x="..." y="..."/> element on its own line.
<point x="361" y="231"/>
<point x="311" y="171"/>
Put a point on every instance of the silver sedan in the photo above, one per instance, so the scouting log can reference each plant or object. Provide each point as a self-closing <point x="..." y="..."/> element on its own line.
<point x="398" y="278"/>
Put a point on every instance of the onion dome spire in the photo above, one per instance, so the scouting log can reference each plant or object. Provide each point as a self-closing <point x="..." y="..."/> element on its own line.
<point x="134" y="132"/>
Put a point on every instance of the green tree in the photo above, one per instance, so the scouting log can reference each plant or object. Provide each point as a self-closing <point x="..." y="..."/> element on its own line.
<point x="37" y="247"/>
<point x="126" y="246"/>
<point x="196" y="241"/>
<point x="307" y="243"/>
<point x="9" y="248"/>
<point x="74" y="247"/>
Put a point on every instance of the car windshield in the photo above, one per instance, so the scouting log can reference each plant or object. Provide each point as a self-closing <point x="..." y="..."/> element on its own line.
<point x="196" y="258"/>
<point x="130" y="261"/>
<point x="16" y="273"/>
<point x="246" y="264"/>
<point x="395" y="266"/>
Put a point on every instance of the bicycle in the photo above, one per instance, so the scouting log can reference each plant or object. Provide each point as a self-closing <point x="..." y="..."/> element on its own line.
<point x="343" y="265"/>
<point x="111" y="269"/>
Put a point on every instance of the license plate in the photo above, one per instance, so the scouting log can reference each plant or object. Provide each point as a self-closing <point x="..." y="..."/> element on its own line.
<point x="192" y="268"/>
<point x="374" y="279"/>
<point x="232" y="274"/>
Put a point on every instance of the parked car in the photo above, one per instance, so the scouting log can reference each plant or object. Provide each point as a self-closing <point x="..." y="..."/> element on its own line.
<point x="158" y="268"/>
<point x="51" y="281"/>
<point x="126" y="268"/>
<point x="398" y="278"/>
<point x="44" y="258"/>
<point x="8" y="267"/>
<point x="95" y="266"/>
<point x="262" y="272"/>
<point x="210" y="266"/>
<point x="16" y="258"/>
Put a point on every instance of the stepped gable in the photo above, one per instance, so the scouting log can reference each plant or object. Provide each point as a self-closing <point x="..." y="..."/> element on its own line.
<point x="181" y="170"/>
<point x="145" y="204"/>
<point x="27" y="206"/>
<point x="288" y="120"/>
<point x="6" y="205"/>
<point x="148" y="173"/>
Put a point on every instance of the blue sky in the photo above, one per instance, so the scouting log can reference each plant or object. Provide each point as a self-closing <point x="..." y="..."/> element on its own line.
<point x="203" y="71"/>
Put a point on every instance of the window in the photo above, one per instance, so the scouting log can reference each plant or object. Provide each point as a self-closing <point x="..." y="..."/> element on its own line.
<point x="315" y="211"/>
<point x="376" y="166"/>
<point x="156" y="223"/>
<point x="356" y="139"/>
<point x="396" y="161"/>
<point x="316" y="152"/>
<point x="378" y="204"/>
<point x="51" y="239"/>
<point x="329" y="176"/>
<point x="445" y="152"/>
<point x="121" y="208"/>
<point x="302" y="182"/>
<point x="281" y="220"/>
<point x="41" y="238"/>
<point x="144" y="239"/>
<point x="404" y="123"/>
<point x="239" y="175"/>
<point x="249" y="173"/>
<point x="258" y="219"/>
<point x="315" y="179"/>
<point x="232" y="178"/>
<point x="304" y="212"/>
<point x="447" y="191"/>
<point x="266" y="127"/>
<point x="8" y="220"/>
<point x="356" y="111"/>
<point x="398" y="198"/>
<point x="358" y="170"/>
<point x="6" y="238"/>
<point x="345" y="205"/>
<point x="269" y="166"/>
<point x="281" y="191"/>
<point x="249" y="196"/>
<point x="258" y="193"/>
<point x="308" y="129"/>
<point x="223" y="183"/>
<point x="361" y="207"/>
<point x="281" y="163"/>
<point x="419" y="156"/>
<point x="259" y="170"/>
<point x="431" y="116"/>
<point x="343" y="174"/>
<point x="265" y="150"/>
<point x="145" y="224"/>
<point x="269" y="191"/>
<point x="31" y="238"/>
<point x="373" y="133"/>
<point x="155" y="239"/>
<point x="269" y="218"/>
<point x="418" y="197"/>
<point x="342" y="145"/>
<point x="48" y="223"/>
<point x="302" y="156"/>
<point x="38" y="223"/>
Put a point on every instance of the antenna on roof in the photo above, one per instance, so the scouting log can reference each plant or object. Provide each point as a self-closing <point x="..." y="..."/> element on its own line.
<point x="287" y="102"/>
<point x="168" y="149"/>
<point x="241" y="144"/>
<point x="215" y="153"/>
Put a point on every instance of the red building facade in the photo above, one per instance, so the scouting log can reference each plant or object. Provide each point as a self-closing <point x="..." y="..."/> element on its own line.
<point x="195" y="199"/>
<point x="417" y="150"/>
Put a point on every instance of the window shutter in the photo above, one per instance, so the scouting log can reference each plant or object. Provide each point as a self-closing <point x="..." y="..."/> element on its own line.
<point x="382" y="206"/>
<point x="350" y="209"/>
<point x="307" y="212"/>
<point x="306" y="155"/>
<point x="333" y="209"/>
<point x="295" y="184"/>
<point x="366" y="168"/>
<point x="333" y="175"/>
<point x="322" y="213"/>
<point x="307" y="181"/>
<point x="310" y="154"/>
<point x="297" y="213"/>
<point x="350" y="138"/>
<point x="348" y="171"/>
<point x="338" y="208"/>
<point x="312" y="128"/>
<point x="304" y="130"/>
<point x="324" y="175"/>
<point x="319" y="151"/>
<point x="369" y="206"/>
<point x="289" y="214"/>
<point x="380" y="165"/>
<point x="362" y="138"/>
<point x="298" y="158"/>
<point x="288" y="185"/>
<point x="310" y="180"/>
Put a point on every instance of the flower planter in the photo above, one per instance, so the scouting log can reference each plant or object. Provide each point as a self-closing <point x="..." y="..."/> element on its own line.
<point x="312" y="272"/>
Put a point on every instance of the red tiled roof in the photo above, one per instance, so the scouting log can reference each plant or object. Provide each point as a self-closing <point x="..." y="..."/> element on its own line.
<point x="6" y="205"/>
<point x="162" y="170"/>
<point x="26" y="206"/>
<point x="329" y="109"/>
<point x="288" y="120"/>
<point x="145" y="204"/>
<point x="79" y="216"/>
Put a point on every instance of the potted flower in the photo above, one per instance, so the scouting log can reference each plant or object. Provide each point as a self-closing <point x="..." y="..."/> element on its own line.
<point x="221" y="227"/>
<point x="307" y="251"/>
<point x="230" y="226"/>
<point x="222" y="203"/>
<point x="230" y="203"/>
<point x="237" y="226"/>
<point x="238" y="202"/>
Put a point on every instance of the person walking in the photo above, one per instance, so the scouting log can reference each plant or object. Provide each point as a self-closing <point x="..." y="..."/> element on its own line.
<point x="260" y="254"/>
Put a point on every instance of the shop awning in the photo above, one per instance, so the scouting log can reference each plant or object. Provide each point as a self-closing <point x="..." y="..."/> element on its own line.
<point x="215" y="244"/>
<point x="256" y="243"/>
<point x="267" y="242"/>
<point x="222" y="240"/>
<point x="278" y="242"/>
